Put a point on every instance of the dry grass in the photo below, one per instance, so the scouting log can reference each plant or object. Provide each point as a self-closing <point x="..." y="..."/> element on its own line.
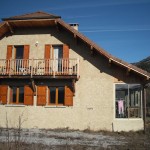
<point x="134" y="140"/>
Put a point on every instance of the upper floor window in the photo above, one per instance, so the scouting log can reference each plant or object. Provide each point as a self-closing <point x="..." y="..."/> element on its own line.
<point x="56" y="51"/>
<point x="128" y="99"/>
<point x="17" y="52"/>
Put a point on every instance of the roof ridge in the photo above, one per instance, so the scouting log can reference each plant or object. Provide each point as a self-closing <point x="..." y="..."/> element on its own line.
<point x="37" y="14"/>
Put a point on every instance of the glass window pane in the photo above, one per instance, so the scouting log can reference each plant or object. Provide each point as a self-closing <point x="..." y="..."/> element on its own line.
<point x="14" y="90"/>
<point x="52" y="95"/>
<point x="19" y="52"/>
<point x="134" y="100"/>
<point x="21" y="94"/>
<point x="61" y="95"/>
<point x="58" y="55"/>
<point x="121" y="102"/>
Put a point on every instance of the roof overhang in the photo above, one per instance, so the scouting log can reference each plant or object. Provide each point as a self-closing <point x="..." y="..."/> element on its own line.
<point x="104" y="53"/>
<point x="30" y="18"/>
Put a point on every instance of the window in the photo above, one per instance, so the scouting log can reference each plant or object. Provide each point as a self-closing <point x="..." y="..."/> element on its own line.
<point x="56" y="95"/>
<point x="19" y="55"/>
<point x="58" y="56"/>
<point x="17" y="95"/>
<point x="19" y="52"/>
<point x="128" y="100"/>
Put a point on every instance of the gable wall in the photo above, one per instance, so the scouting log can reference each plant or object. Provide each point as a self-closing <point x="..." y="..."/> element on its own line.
<point x="93" y="101"/>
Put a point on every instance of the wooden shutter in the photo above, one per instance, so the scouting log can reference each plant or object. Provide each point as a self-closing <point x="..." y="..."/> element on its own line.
<point x="3" y="94"/>
<point x="65" y="51"/>
<point x="41" y="95"/>
<point x="9" y="52"/>
<point x="8" y="57"/>
<point x="68" y="96"/>
<point x="26" y="55"/>
<point x="47" y="51"/>
<point x="47" y="58"/>
<point x="66" y="58"/>
<point x="28" y="95"/>
<point x="26" y="52"/>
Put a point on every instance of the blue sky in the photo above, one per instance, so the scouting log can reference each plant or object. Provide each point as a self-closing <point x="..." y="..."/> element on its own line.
<point x="121" y="27"/>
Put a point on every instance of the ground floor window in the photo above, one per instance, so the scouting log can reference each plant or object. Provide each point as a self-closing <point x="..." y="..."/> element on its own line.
<point x="128" y="100"/>
<point x="56" y="95"/>
<point x="17" y="95"/>
<point x="44" y="95"/>
<point x="21" y="95"/>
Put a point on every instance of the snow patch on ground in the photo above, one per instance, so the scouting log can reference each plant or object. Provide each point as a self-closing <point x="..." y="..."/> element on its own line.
<point x="64" y="137"/>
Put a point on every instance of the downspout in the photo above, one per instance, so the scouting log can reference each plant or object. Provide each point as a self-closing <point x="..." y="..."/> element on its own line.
<point x="144" y="108"/>
<point x="144" y="105"/>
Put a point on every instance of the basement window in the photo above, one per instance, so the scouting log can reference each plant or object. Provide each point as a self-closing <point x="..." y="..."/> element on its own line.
<point x="128" y="99"/>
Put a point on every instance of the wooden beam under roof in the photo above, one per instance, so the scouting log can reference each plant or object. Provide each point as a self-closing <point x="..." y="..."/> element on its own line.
<point x="57" y="27"/>
<point x="110" y="62"/>
<point x="92" y="51"/>
<point x="10" y="27"/>
<point x="128" y="71"/>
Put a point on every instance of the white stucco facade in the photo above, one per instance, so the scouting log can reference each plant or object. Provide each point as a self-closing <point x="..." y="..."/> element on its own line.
<point x="93" y="104"/>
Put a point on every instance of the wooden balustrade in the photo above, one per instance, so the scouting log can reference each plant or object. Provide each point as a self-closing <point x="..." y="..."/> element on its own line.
<point x="35" y="67"/>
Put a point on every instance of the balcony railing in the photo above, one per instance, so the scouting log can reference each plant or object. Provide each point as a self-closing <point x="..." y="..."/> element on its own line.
<point x="35" y="67"/>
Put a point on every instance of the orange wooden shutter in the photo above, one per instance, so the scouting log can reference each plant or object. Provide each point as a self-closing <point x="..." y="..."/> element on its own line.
<point x="8" y="57"/>
<point x="47" y="58"/>
<point x="26" y="52"/>
<point x="3" y="94"/>
<point x="65" y="51"/>
<point x="47" y="51"/>
<point x="28" y="95"/>
<point x="9" y="52"/>
<point x="26" y="55"/>
<point x="66" y="58"/>
<point x="41" y="95"/>
<point x="68" y="96"/>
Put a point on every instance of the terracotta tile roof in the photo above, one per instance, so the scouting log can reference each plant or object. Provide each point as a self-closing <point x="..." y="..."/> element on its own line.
<point x="35" y="15"/>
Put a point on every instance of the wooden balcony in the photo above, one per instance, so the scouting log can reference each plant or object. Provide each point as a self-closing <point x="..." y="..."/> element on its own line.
<point x="39" y="67"/>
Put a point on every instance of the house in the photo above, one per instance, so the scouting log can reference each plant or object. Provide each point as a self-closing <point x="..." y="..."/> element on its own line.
<point x="54" y="77"/>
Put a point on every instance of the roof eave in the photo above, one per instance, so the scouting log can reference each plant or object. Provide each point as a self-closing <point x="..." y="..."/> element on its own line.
<point x="101" y="51"/>
<point x="29" y="18"/>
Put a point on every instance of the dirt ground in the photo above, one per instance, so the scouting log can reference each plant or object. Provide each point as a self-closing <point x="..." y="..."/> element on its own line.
<point x="64" y="139"/>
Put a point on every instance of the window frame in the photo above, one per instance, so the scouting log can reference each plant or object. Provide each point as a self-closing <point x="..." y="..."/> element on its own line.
<point x="17" y="95"/>
<point x="56" y="96"/>
<point x="141" y="104"/>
